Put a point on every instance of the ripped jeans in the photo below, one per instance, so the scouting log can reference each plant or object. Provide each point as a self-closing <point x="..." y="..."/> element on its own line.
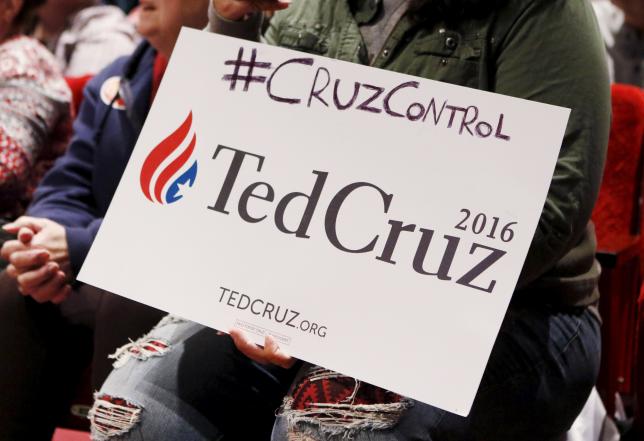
<point x="184" y="382"/>
<point x="541" y="371"/>
<point x="44" y="349"/>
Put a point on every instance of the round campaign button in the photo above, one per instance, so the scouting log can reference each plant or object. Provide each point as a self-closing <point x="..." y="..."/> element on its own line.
<point x="110" y="91"/>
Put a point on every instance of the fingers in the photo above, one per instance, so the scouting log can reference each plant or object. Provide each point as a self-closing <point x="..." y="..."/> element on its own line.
<point x="25" y="260"/>
<point x="25" y="235"/>
<point x="11" y="228"/>
<point x="271" y="5"/>
<point x="25" y="228"/>
<point x="64" y="295"/>
<point x="275" y="355"/>
<point x="32" y="223"/>
<point x="269" y="354"/>
<point x="10" y="247"/>
<point x="12" y="272"/>
<point x="245" y="346"/>
<point x="55" y="288"/>
<point x="235" y="10"/>
<point x="45" y="284"/>
<point x="32" y="279"/>
<point x="28" y="259"/>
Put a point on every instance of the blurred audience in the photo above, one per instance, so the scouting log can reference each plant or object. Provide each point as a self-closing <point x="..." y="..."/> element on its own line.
<point x="34" y="107"/>
<point x="51" y="326"/>
<point x="622" y="25"/>
<point x="85" y="35"/>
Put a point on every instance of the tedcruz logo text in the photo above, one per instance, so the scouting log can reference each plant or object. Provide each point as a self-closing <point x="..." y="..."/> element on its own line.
<point x="165" y="176"/>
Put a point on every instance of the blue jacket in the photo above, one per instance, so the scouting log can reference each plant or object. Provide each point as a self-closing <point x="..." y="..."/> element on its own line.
<point x="79" y="188"/>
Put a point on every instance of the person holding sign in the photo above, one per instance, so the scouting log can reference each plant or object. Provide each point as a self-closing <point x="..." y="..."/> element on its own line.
<point x="546" y="357"/>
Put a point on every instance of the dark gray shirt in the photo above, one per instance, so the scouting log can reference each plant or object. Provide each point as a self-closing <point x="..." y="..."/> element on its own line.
<point x="376" y="32"/>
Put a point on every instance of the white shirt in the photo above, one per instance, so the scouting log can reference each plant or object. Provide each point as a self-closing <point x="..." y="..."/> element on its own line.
<point x="95" y="37"/>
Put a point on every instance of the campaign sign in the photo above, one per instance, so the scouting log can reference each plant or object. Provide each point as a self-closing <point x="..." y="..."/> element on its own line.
<point x="373" y="223"/>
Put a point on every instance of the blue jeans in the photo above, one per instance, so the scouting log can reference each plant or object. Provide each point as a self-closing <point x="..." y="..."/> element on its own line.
<point x="541" y="371"/>
<point x="184" y="382"/>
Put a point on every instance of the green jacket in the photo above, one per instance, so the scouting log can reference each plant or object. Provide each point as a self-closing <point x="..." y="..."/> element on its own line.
<point x="542" y="50"/>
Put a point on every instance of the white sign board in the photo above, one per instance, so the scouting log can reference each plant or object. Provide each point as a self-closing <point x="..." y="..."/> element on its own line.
<point x="374" y="223"/>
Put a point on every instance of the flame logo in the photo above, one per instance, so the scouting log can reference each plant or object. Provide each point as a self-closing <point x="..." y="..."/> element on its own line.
<point x="176" y="173"/>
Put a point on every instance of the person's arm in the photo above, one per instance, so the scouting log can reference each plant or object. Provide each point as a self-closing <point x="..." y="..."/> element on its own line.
<point x="553" y="53"/>
<point x="65" y="195"/>
<point x="60" y="226"/>
<point x="246" y="28"/>
<point x="54" y="238"/>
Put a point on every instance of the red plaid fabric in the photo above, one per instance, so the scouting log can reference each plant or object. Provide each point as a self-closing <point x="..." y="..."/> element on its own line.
<point x="319" y="385"/>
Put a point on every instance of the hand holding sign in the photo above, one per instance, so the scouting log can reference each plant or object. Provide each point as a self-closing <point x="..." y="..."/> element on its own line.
<point x="236" y="9"/>
<point x="270" y="353"/>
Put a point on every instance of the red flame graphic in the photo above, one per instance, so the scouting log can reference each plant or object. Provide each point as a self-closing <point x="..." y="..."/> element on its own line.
<point x="160" y="153"/>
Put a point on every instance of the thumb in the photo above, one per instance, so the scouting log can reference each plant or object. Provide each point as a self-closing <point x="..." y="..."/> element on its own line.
<point x="25" y="235"/>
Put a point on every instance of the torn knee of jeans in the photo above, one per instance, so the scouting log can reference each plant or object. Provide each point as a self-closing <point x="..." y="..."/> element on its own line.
<point x="111" y="416"/>
<point x="142" y="349"/>
<point x="329" y="403"/>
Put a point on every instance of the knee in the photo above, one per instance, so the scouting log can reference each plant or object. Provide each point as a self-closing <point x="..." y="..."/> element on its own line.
<point x="116" y="412"/>
<point x="345" y="408"/>
<point x="119" y="406"/>
<point x="112" y="417"/>
<point x="142" y="349"/>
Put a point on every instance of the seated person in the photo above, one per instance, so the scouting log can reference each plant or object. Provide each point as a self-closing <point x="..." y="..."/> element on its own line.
<point x="84" y="35"/>
<point x="35" y="121"/>
<point x="546" y="357"/>
<point x="50" y="326"/>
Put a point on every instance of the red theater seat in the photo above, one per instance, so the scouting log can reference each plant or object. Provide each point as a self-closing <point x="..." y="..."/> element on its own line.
<point x="618" y="221"/>
<point x="70" y="435"/>
<point x="639" y="369"/>
<point x="77" y="85"/>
